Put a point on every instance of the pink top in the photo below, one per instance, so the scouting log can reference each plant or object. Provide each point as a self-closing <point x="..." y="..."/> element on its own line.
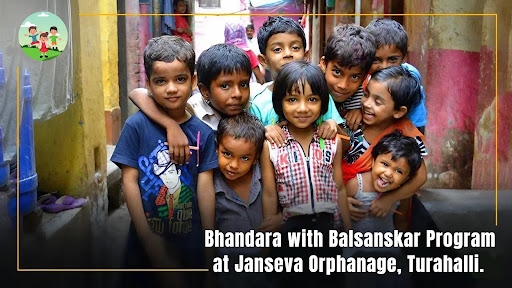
<point x="181" y="22"/>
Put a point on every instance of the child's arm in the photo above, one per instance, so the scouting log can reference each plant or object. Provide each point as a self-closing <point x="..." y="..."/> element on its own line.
<point x="342" y="191"/>
<point x="353" y="118"/>
<point x="206" y="203"/>
<point x="176" y="140"/>
<point x="328" y="129"/>
<point x="381" y="206"/>
<point x="269" y="196"/>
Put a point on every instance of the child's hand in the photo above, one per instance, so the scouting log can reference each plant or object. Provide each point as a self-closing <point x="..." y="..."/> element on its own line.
<point x="328" y="129"/>
<point x="179" y="150"/>
<point x="275" y="134"/>
<point x="355" y="213"/>
<point x="381" y="206"/>
<point x="271" y="224"/>
<point x="354" y="118"/>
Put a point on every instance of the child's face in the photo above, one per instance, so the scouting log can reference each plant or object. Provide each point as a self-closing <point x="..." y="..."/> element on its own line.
<point x="389" y="174"/>
<point x="53" y="32"/>
<point x="228" y="93"/>
<point x="32" y="31"/>
<point x="342" y="82"/>
<point x="236" y="157"/>
<point x="181" y="7"/>
<point x="387" y="56"/>
<point x="43" y="38"/>
<point x="378" y="106"/>
<point x="282" y="48"/>
<point x="301" y="109"/>
<point x="171" y="84"/>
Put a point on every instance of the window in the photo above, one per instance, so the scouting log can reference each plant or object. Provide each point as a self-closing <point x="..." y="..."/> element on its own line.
<point x="209" y="3"/>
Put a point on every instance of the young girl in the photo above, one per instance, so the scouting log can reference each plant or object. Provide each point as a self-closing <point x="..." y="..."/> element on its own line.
<point x="396" y="159"/>
<point x="181" y="22"/>
<point x="391" y="92"/>
<point x="42" y="44"/>
<point x="301" y="173"/>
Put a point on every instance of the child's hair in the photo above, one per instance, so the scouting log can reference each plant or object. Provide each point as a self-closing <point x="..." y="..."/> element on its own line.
<point x="278" y="24"/>
<point x="404" y="88"/>
<point x="293" y="78"/>
<point x="400" y="146"/>
<point x="221" y="58"/>
<point x="168" y="48"/>
<point x="32" y="27"/>
<point x="44" y="34"/>
<point x="350" y="45"/>
<point x="242" y="126"/>
<point x="388" y="32"/>
<point x="53" y="28"/>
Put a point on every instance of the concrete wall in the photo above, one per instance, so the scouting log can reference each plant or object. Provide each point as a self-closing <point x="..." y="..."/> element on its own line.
<point x="70" y="147"/>
<point x="109" y="59"/>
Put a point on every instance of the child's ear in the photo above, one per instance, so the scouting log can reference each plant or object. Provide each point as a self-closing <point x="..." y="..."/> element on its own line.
<point x="306" y="55"/>
<point x="404" y="58"/>
<point x="194" y="81"/>
<point x="322" y="64"/>
<point x="400" y="112"/>
<point x="204" y="92"/>
<point x="263" y="60"/>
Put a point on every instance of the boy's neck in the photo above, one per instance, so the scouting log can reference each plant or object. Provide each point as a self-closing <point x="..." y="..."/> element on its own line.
<point x="179" y="115"/>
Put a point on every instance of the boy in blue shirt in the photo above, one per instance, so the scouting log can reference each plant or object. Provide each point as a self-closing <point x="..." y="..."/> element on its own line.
<point x="169" y="204"/>
<point x="281" y="40"/>
<point x="391" y="43"/>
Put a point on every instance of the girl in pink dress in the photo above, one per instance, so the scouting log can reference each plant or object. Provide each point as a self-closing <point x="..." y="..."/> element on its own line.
<point x="182" y="28"/>
<point x="42" y="44"/>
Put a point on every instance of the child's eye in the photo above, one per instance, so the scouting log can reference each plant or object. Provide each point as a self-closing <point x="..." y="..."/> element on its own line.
<point x="376" y="61"/>
<point x="295" y="48"/>
<point x="159" y="81"/>
<point x="399" y="172"/>
<point x="277" y="50"/>
<point x="384" y="164"/>
<point x="226" y="154"/>
<point x="291" y="99"/>
<point x="336" y="72"/>
<point x="378" y="103"/>
<point x="245" y="158"/>
<point x="245" y="85"/>
<point x="181" y="79"/>
<point x="393" y="59"/>
<point x="224" y="86"/>
<point x="313" y="99"/>
<point x="355" y="77"/>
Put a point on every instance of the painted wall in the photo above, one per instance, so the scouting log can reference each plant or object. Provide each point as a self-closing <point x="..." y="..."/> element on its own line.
<point x="70" y="147"/>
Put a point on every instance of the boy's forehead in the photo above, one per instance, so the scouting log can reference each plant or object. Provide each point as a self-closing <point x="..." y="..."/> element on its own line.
<point x="353" y="70"/>
<point x="284" y="37"/>
<point x="175" y="67"/>
<point x="388" y="49"/>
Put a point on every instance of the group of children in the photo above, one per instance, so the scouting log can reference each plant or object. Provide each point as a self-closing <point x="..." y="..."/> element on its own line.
<point x="270" y="158"/>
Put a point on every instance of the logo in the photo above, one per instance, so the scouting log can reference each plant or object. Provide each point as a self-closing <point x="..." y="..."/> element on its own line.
<point x="43" y="36"/>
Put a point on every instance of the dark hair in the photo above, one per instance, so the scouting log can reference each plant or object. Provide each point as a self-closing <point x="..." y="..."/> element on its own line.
<point x="400" y="146"/>
<point x="250" y="26"/>
<point x="53" y="28"/>
<point x="221" y="58"/>
<point x="405" y="89"/>
<point x="32" y="27"/>
<point x="242" y="126"/>
<point x="350" y="45"/>
<point x="388" y="32"/>
<point x="293" y="77"/>
<point x="44" y="34"/>
<point x="278" y="24"/>
<point x="168" y="48"/>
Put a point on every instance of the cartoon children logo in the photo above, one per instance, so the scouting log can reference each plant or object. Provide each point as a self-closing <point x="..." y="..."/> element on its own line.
<point x="43" y="36"/>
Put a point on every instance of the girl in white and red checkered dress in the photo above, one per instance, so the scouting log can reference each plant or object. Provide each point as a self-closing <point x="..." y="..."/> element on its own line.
<point x="301" y="174"/>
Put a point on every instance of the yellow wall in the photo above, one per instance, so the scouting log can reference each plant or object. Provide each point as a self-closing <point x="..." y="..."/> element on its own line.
<point x="70" y="147"/>
<point x="109" y="53"/>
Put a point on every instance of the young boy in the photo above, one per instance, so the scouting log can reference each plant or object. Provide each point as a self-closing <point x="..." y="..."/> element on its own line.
<point x="238" y="187"/>
<point x="281" y="40"/>
<point x="168" y="203"/>
<point x="391" y="43"/>
<point x="347" y="59"/>
<point x="223" y="73"/>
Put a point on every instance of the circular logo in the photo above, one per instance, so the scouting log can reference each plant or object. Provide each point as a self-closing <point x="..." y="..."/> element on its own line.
<point x="43" y="36"/>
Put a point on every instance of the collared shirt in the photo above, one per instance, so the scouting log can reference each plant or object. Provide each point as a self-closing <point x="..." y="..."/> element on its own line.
<point x="305" y="184"/>
<point x="232" y="214"/>
<point x="204" y="112"/>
